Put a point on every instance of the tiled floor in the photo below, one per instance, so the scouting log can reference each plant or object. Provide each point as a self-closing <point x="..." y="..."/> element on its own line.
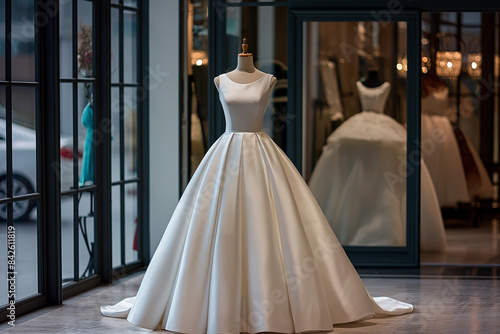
<point x="451" y="305"/>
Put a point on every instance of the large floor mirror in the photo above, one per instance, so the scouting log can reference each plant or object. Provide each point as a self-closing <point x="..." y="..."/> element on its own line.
<point x="355" y="139"/>
<point x="356" y="109"/>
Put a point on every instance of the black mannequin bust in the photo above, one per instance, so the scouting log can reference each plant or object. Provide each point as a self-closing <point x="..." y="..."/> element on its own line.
<point x="372" y="80"/>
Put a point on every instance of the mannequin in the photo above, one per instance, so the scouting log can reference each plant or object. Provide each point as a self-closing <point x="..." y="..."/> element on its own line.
<point x="245" y="72"/>
<point x="242" y="226"/>
<point x="456" y="169"/>
<point x="352" y="178"/>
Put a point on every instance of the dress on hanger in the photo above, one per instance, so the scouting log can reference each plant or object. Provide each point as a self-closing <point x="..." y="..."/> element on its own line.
<point x="329" y="76"/>
<point x="87" y="173"/>
<point x="442" y="154"/>
<point x="359" y="180"/>
<point x="247" y="248"/>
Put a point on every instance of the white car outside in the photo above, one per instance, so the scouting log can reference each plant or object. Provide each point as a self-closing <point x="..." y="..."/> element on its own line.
<point x="24" y="167"/>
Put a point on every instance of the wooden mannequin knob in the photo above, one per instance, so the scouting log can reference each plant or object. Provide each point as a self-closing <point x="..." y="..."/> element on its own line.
<point x="244" y="46"/>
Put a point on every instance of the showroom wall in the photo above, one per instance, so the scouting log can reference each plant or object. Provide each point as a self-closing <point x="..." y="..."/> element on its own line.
<point x="163" y="114"/>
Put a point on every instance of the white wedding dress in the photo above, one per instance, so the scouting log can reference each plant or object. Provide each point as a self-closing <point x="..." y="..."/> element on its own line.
<point x="441" y="153"/>
<point x="247" y="248"/>
<point x="359" y="180"/>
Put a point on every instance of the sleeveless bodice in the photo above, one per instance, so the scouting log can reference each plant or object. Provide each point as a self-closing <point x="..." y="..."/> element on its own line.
<point x="436" y="102"/>
<point x="373" y="99"/>
<point x="244" y="104"/>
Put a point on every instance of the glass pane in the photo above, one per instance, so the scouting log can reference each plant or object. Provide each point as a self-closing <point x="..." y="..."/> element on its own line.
<point x="130" y="135"/>
<point x="3" y="40"/>
<point x="131" y="3"/>
<point x="3" y="263"/>
<point x="471" y="19"/>
<point x="66" y="39"/>
<point x="24" y="145"/>
<point x="197" y="60"/>
<point x="267" y="41"/>
<point x="131" y="223"/>
<point x="354" y="112"/>
<point x="115" y="45"/>
<point x="23" y="40"/>
<point x="85" y="39"/>
<point x="115" y="134"/>
<point x="130" y="49"/>
<point x="86" y="234"/>
<point x="115" y="225"/>
<point x="66" y="143"/>
<point x="3" y="153"/>
<point x="459" y="152"/>
<point x="87" y="139"/>
<point x="67" y="251"/>
<point x="26" y="241"/>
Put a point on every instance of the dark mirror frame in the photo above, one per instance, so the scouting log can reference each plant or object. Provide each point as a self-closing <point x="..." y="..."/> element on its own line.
<point x="365" y="256"/>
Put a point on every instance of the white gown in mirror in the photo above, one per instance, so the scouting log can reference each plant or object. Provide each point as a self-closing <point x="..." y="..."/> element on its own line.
<point x="441" y="153"/>
<point x="247" y="248"/>
<point x="360" y="180"/>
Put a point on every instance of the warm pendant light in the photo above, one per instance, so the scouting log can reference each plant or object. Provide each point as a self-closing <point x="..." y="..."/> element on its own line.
<point x="448" y="64"/>
<point x="474" y="61"/>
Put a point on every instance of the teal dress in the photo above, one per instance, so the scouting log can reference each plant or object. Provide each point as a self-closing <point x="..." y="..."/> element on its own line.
<point x="88" y="150"/>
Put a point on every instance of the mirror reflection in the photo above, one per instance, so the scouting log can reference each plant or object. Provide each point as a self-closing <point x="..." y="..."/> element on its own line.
<point x="460" y="130"/>
<point x="355" y="137"/>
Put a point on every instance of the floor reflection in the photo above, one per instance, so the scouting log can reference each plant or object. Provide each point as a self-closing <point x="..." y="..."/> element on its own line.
<point x="468" y="244"/>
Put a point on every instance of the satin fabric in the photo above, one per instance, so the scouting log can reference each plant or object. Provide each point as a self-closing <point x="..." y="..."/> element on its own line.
<point x="359" y="182"/>
<point x="247" y="248"/>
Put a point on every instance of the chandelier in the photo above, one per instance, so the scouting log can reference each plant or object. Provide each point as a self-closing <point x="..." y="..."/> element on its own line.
<point x="475" y="62"/>
<point x="448" y="64"/>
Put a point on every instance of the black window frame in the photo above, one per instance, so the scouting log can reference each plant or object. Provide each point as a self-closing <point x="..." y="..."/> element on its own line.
<point x="142" y="168"/>
<point x="51" y="290"/>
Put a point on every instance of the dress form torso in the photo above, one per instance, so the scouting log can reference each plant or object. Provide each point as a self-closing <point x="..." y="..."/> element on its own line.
<point x="244" y="104"/>
<point x="373" y="99"/>
<point x="244" y="94"/>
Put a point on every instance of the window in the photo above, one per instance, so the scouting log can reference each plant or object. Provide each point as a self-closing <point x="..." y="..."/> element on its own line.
<point x="76" y="46"/>
<point x="126" y="95"/>
<point x="59" y="201"/>
<point x="19" y="151"/>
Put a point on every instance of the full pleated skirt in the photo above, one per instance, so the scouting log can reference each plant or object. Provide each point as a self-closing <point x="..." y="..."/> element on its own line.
<point x="360" y="184"/>
<point x="248" y="249"/>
